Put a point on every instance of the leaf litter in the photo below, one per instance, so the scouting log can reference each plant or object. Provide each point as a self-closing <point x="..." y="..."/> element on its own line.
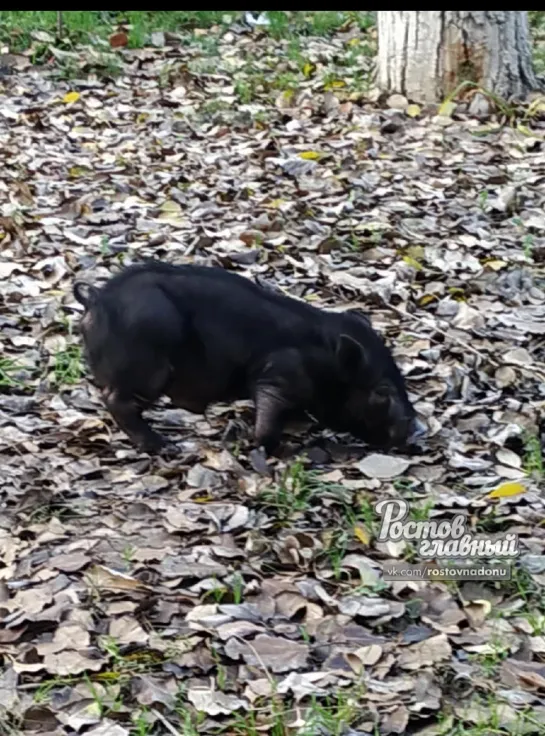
<point x="144" y="595"/>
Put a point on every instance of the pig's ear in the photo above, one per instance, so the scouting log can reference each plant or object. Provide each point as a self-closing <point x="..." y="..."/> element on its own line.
<point x="360" y="314"/>
<point x="86" y="294"/>
<point x="350" y="355"/>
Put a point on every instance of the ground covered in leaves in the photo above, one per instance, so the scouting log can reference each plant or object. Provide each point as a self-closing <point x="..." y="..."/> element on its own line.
<point x="207" y="594"/>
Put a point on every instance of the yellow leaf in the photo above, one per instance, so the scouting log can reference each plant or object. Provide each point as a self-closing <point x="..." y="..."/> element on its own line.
<point x="538" y="105"/>
<point x="415" y="251"/>
<point x="75" y="171"/>
<point x="171" y="210"/>
<point x="447" y="108"/>
<point x="412" y="262"/>
<point x="310" y="155"/>
<point x="484" y="604"/>
<point x="107" y="676"/>
<point x="413" y="111"/>
<point x="426" y="299"/>
<point x="507" y="489"/>
<point x="361" y="533"/>
<point x="308" y="69"/>
<point x="70" y="97"/>
<point x="276" y="203"/>
<point x="171" y="206"/>
<point x="496" y="265"/>
<point x="354" y="41"/>
<point x="525" y="130"/>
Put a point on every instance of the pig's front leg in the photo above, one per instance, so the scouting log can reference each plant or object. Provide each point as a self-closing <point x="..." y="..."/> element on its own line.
<point x="282" y="388"/>
<point x="272" y="409"/>
<point x="127" y="412"/>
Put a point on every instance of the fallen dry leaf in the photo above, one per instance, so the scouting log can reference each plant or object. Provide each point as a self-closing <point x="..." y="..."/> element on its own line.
<point x="70" y="97"/>
<point x="425" y="653"/>
<point x="215" y="703"/>
<point x="383" y="466"/>
<point x="118" y="40"/>
<point x="179" y="593"/>
<point x="275" y="654"/>
<point x="507" y="489"/>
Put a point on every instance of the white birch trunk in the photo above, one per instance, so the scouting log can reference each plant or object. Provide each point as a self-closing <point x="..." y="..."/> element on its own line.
<point x="426" y="54"/>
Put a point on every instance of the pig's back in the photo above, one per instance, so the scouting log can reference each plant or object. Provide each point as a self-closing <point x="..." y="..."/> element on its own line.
<point x="233" y="318"/>
<point x="226" y="303"/>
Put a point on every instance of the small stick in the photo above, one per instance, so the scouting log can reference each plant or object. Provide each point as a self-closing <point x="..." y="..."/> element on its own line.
<point x="457" y="340"/>
<point x="534" y="371"/>
<point x="165" y="723"/>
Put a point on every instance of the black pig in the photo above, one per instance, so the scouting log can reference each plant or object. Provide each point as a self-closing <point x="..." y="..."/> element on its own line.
<point x="201" y="335"/>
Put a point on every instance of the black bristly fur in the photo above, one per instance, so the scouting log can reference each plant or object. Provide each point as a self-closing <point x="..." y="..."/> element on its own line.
<point x="202" y="335"/>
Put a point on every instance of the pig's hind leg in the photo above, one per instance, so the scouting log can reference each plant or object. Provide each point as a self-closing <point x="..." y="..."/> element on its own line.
<point x="153" y="333"/>
<point x="142" y="388"/>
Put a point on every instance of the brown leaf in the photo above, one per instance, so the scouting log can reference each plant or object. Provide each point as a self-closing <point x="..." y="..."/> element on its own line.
<point x="431" y="226"/>
<point x="118" y="39"/>
<point x="149" y="690"/>
<point x="102" y="577"/>
<point x="67" y="636"/>
<point x="127" y="630"/>
<point x="70" y="562"/>
<point x="214" y="702"/>
<point x="383" y="466"/>
<point x="396" y="721"/>
<point x="108" y="728"/>
<point x="69" y="662"/>
<point x="528" y="675"/>
<point x="275" y="654"/>
<point x="9" y="699"/>
<point x="425" y="653"/>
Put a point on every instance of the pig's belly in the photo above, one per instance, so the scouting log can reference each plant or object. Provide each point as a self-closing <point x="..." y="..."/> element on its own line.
<point x="196" y="388"/>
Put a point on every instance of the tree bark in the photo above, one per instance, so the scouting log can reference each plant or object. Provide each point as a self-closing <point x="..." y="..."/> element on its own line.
<point x="426" y="54"/>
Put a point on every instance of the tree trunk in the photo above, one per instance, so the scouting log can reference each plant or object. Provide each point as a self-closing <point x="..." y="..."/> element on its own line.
<point x="426" y="54"/>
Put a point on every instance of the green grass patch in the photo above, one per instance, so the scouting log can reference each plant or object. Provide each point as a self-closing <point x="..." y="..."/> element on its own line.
<point x="8" y="373"/>
<point x="316" y="23"/>
<point x="17" y="26"/>
<point x="295" y="490"/>
<point x="534" y="463"/>
<point x="68" y="366"/>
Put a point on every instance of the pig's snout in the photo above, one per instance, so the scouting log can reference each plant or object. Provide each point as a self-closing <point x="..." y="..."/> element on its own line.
<point x="109" y="394"/>
<point x="417" y="430"/>
<point x="406" y="432"/>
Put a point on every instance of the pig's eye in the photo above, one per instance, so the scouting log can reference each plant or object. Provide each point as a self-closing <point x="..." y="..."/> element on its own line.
<point x="382" y="392"/>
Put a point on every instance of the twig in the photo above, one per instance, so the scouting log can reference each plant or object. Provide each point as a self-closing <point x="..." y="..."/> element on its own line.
<point x="165" y="723"/>
<point x="60" y="26"/>
<point x="535" y="370"/>
<point x="457" y="340"/>
<point x="256" y="654"/>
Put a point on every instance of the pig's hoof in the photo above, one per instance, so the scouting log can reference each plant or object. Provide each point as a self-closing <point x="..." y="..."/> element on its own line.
<point x="169" y="449"/>
<point x="154" y="445"/>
